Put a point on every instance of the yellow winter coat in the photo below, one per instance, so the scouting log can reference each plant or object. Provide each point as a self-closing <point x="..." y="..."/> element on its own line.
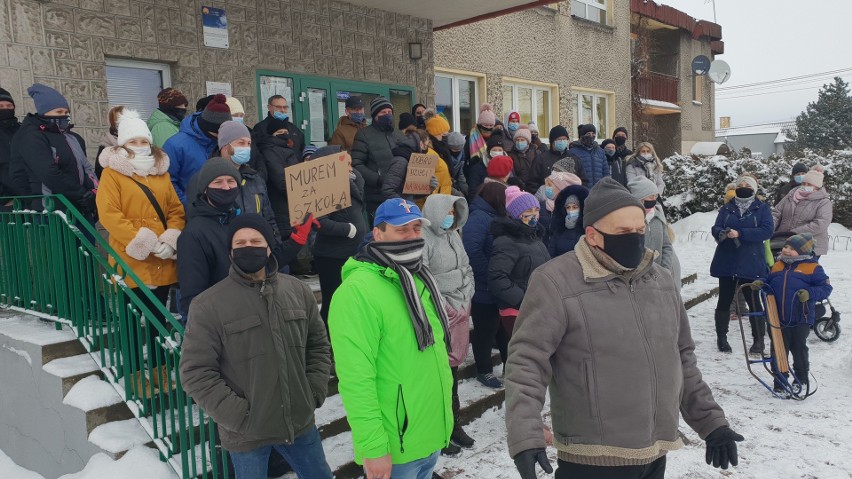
<point x="134" y="227"/>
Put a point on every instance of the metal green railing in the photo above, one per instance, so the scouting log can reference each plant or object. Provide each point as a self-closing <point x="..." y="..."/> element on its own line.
<point x="55" y="265"/>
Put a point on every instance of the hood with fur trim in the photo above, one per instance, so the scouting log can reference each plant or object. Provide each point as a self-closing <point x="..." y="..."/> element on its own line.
<point x="118" y="159"/>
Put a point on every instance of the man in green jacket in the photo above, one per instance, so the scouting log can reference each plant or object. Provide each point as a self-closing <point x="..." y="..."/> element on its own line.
<point x="256" y="357"/>
<point x="164" y="122"/>
<point x="389" y="331"/>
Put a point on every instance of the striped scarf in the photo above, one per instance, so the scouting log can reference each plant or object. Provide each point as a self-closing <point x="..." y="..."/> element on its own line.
<point x="406" y="258"/>
<point x="477" y="146"/>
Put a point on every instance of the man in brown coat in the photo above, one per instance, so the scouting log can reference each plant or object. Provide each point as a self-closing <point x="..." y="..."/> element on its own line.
<point x="256" y="357"/>
<point x="604" y="327"/>
<point x="347" y="126"/>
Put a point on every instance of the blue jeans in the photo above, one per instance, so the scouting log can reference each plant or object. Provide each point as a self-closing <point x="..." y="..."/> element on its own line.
<point x="419" y="469"/>
<point x="305" y="456"/>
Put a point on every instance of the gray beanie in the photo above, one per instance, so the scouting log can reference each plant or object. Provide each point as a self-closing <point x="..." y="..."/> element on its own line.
<point x="231" y="131"/>
<point x="605" y="197"/>
<point x="214" y="168"/>
<point x="642" y="187"/>
<point x="455" y="140"/>
<point x="325" y="151"/>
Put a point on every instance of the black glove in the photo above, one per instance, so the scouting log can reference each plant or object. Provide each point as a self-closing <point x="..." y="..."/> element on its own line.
<point x="525" y="462"/>
<point x="723" y="235"/>
<point x="86" y="204"/>
<point x="722" y="447"/>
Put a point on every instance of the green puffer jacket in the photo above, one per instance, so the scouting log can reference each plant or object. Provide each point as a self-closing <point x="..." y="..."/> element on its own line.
<point x="397" y="398"/>
<point x="162" y="127"/>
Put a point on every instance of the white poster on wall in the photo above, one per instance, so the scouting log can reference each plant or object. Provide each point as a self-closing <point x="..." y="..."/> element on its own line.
<point x="215" y="87"/>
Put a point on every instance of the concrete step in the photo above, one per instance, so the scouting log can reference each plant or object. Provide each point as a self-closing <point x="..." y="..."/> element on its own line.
<point x="99" y="400"/>
<point x="72" y="369"/>
<point x="117" y="437"/>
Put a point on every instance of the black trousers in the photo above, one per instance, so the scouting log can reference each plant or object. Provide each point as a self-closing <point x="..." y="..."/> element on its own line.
<point x="727" y="290"/>
<point x="569" y="470"/>
<point x="161" y="293"/>
<point x="487" y="331"/>
<point x="796" y="343"/>
<point x="328" y="270"/>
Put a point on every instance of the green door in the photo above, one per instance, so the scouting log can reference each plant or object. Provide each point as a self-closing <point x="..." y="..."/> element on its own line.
<point x="315" y="106"/>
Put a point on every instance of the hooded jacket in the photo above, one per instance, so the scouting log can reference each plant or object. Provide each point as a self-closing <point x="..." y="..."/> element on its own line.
<point x="812" y="214"/>
<point x="188" y="150"/>
<point x="8" y="128"/>
<point x="786" y="280"/>
<point x="563" y="240"/>
<point x="371" y="156"/>
<point x="518" y="251"/>
<point x="162" y="127"/>
<point x="397" y="398"/>
<point x="617" y="356"/>
<point x="132" y="222"/>
<point x="595" y="164"/>
<point x="444" y="252"/>
<point x="256" y="357"/>
<point x="478" y="244"/>
<point x="746" y="261"/>
<point x="657" y="239"/>
<point x="332" y="240"/>
<point x="277" y="156"/>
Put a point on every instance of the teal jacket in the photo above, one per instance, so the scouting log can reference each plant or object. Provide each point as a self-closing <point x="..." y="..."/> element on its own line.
<point x="162" y="127"/>
<point x="397" y="398"/>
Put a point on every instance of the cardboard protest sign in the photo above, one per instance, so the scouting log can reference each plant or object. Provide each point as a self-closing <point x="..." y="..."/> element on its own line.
<point x="319" y="186"/>
<point x="421" y="169"/>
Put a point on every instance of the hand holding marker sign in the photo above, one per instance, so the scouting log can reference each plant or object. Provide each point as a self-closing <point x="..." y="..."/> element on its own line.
<point x="319" y="186"/>
<point x="421" y="169"/>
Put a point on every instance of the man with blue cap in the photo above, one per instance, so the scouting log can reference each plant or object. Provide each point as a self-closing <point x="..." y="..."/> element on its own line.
<point x="389" y="333"/>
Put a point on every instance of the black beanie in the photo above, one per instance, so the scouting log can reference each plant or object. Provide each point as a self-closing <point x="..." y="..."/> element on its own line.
<point x="6" y="96"/>
<point x="496" y="139"/>
<point x="202" y="102"/>
<point x="605" y="197"/>
<point x="607" y="142"/>
<point x="558" y="131"/>
<point x="405" y="120"/>
<point x="800" y="168"/>
<point x="255" y="222"/>
<point x="620" y="129"/>
<point x="583" y="129"/>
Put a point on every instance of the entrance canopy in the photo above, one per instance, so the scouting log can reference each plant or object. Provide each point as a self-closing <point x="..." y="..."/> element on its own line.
<point x="451" y="13"/>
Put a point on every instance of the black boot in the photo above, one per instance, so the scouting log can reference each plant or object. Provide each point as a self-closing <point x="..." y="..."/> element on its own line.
<point x="451" y="450"/>
<point x="722" y="318"/>
<point x="458" y="437"/>
<point x="758" y="332"/>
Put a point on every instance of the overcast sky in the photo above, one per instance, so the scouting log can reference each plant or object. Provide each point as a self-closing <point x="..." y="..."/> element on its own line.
<point x="774" y="39"/>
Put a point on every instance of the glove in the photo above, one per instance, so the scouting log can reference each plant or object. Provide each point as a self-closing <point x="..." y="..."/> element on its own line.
<point x="756" y="285"/>
<point x="525" y="463"/>
<point x="804" y="295"/>
<point x="87" y="203"/>
<point x="352" y="231"/>
<point x="722" y="447"/>
<point x="433" y="183"/>
<point x="163" y="251"/>
<point x="723" y="235"/>
<point x="301" y="232"/>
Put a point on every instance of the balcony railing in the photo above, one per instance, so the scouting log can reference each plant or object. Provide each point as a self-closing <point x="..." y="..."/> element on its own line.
<point x="660" y="87"/>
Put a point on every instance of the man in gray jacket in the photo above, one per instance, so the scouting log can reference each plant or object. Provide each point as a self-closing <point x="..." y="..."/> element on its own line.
<point x="605" y="329"/>
<point x="256" y="357"/>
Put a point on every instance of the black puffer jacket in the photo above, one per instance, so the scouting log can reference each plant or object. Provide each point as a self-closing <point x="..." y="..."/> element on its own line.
<point x="8" y="128"/>
<point x="294" y="133"/>
<point x="372" y="153"/>
<point x="332" y="238"/>
<point x="528" y="167"/>
<point x="276" y="156"/>
<point x="518" y="250"/>
<point x="394" y="179"/>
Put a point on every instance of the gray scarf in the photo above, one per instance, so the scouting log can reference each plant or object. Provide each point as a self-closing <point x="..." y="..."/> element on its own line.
<point x="744" y="203"/>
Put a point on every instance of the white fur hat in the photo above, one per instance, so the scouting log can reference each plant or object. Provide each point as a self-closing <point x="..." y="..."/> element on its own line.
<point x="130" y="126"/>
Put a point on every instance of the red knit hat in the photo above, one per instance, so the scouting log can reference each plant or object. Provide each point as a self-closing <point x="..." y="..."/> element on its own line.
<point x="514" y="116"/>
<point x="500" y="166"/>
<point x="171" y="97"/>
<point x="215" y="113"/>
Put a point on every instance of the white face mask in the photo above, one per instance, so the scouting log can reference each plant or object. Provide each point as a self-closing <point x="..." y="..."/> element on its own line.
<point x="495" y="154"/>
<point x="807" y="189"/>
<point x="142" y="160"/>
<point x="647" y="156"/>
<point x="140" y="151"/>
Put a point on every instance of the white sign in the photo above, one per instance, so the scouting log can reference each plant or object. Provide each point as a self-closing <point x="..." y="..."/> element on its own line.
<point x="215" y="87"/>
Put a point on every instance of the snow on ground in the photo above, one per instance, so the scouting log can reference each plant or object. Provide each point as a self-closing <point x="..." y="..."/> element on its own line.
<point x="138" y="463"/>
<point x="91" y="393"/>
<point x="784" y="439"/>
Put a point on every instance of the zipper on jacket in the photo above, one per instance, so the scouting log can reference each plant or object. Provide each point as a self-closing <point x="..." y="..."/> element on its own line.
<point x="401" y="428"/>
<point x="784" y="293"/>
<point x="652" y="363"/>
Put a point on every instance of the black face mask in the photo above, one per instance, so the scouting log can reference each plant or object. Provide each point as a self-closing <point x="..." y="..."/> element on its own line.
<point x="649" y="204"/>
<point x="620" y="140"/>
<point x="744" y="193"/>
<point x="250" y="259"/>
<point x="58" y="123"/>
<point x="221" y="199"/>
<point x="421" y="122"/>
<point x="6" y="114"/>
<point x="587" y="141"/>
<point x="626" y="249"/>
<point x="176" y="113"/>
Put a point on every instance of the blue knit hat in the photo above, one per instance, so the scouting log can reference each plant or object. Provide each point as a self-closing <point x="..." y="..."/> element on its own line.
<point x="46" y="98"/>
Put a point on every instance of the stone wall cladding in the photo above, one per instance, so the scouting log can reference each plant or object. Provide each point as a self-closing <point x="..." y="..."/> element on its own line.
<point x="64" y="44"/>
<point x="546" y="46"/>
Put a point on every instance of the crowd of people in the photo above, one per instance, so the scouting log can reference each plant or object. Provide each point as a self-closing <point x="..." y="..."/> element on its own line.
<point x="546" y="249"/>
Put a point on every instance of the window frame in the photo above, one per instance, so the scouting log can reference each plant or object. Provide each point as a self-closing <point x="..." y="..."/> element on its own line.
<point x="596" y="94"/>
<point x="479" y="81"/>
<point x="593" y="4"/>
<point x="552" y="90"/>
<point x="164" y="68"/>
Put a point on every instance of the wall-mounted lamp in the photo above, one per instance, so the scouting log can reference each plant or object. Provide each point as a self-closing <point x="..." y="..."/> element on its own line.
<point x="415" y="51"/>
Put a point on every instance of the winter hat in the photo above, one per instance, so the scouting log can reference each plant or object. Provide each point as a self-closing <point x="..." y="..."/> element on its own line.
<point x="325" y="151"/>
<point x="572" y="200"/>
<point x="130" y="126"/>
<point x="486" y="115"/>
<point x="583" y="129"/>
<point x="215" y="113"/>
<point x="642" y="187"/>
<point x="378" y="104"/>
<point x="513" y="116"/>
<point x="800" y="168"/>
<point x="274" y="125"/>
<point x="567" y="164"/>
<point x="620" y="129"/>
<point x="558" y="131"/>
<point x="500" y="166"/>
<point x="231" y="131"/>
<point x="309" y="150"/>
<point x="405" y="120"/>
<point x="214" y="168"/>
<point x="518" y="201"/>
<point x="533" y="129"/>
<point x="6" y="96"/>
<point x="235" y="106"/>
<point x="747" y="179"/>
<point x="455" y="140"/>
<point x="46" y="98"/>
<point x="562" y="180"/>
<point x="607" y="142"/>
<point x="354" y="102"/>
<point x="253" y="221"/>
<point x="605" y="197"/>
<point x="803" y="243"/>
<point x="437" y="126"/>
<point x="523" y="132"/>
<point x="202" y="103"/>
<point x="495" y="139"/>
<point x="815" y="176"/>
<point x="171" y="98"/>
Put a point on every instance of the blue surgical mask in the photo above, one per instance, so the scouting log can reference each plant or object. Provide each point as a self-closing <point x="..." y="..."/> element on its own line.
<point x="799" y="179"/>
<point x="242" y="155"/>
<point x="572" y="215"/>
<point x="560" y="145"/>
<point x="807" y="189"/>
<point x="280" y="115"/>
<point x="238" y="119"/>
<point x="357" y="117"/>
<point x="447" y="222"/>
<point x="521" y="146"/>
<point x="548" y="192"/>
<point x="514" y="126"/>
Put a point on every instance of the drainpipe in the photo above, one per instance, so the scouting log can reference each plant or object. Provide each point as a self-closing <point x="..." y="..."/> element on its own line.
<point x="490" y="15"/>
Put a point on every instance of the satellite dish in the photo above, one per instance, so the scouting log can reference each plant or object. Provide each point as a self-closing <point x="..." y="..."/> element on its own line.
<point x="700" y="65"/>
<point x="719" y="71"/>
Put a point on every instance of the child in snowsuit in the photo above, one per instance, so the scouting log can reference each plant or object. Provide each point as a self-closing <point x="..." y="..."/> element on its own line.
<point x="798" y="282"/>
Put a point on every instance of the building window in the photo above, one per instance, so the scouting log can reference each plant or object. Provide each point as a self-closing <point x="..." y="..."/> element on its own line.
<point x="593" y="10"/>
<point x="457" y="97"/>
<point x="533" y="102"/>
<point x="594" y="108"/>
<point x="136" y="84"/>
